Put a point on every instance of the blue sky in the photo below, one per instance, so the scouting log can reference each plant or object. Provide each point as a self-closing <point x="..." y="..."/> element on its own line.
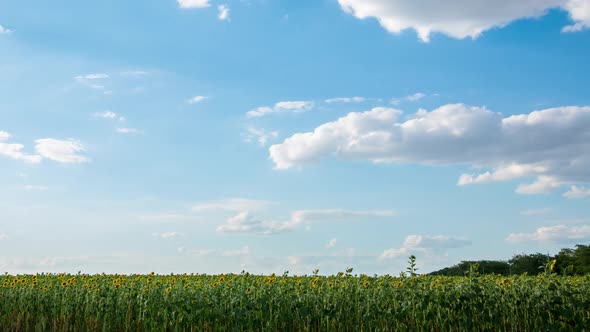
<point x="272" y="135"/>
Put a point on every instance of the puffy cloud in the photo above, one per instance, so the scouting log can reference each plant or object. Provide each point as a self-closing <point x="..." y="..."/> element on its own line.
<point x="223" y="14"/>
<point x="14" y="150"/>
<point x="461" y="18"/>
<point x="63" y="151"/>
<point x="193" y="3"/>
<point x="281" y="107"/>
<point x="556" y="234"/>
<point x="259" y="135"/>
<point x="232" y="204"/>
<point x="577" y="192"/>
<point x="197" y="99"/>
<point x="3" y="236"/>
<point x="552" y="144"/>
<point x="424" y="244"/>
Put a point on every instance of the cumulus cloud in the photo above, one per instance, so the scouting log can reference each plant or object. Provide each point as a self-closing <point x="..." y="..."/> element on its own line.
<point x="281" y="107"/>
<point x="577" y="192"/>
<point x="424" y="244"/>
<point x="232" y="204"/>
<point x="259" y="135"/>
<point x="461" y="18"/>
<point x="223" y="14"/>
<point x="63" y="151"/>
<point x="562" y="234"/>
<point x="193" y="3"/>
<point x="245" y="222"/>
<point x="14" y="150"/>
<point x="552" y="145"/>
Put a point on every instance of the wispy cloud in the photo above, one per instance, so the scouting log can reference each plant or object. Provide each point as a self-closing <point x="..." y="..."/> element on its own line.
<point x="223" y="14"/>
<point x="281" y="107"/>
<point x="4" y="30"/>
<point x="193" y="3"/>
<point x="346" y="100"/>
<point x="128" y="131"/>
<point x="424" y="244"/>
<point x="91" y="80"/>
<point x="197" y="99"/>
<point x="259" y="135"/>
<point x="232" y="204"/>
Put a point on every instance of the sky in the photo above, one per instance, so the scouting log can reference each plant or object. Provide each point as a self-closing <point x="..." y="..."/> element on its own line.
<point x="212" y="136"/>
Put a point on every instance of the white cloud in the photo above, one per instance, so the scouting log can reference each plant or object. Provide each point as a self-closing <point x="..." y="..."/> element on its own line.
<point x="223" y="12"/>
<point x="3" y="236"/>
<point x="332" y="243"/>
<point x="281" y="107"/>
<point x="14" y="150"/>
<point x="424" y="244"/>
<point x="415" y="97"/>
<point x="551" y="145"/>
<point x="197" y="99"/>
<point x="304" y="216"/>
<point x="4" y="30"/>
<point x="244" y="251"/>
<point x="4" y="136"/>
<point x="461" y="18"/>
<point x="126" y="130"/>
<point x="168" y="235"/>
<point x="577" y="192"/>
<point x="245" y="222"/>
<point x="556" y="234"/>
<point x="63" y="151"/>
<point x="346" y="100"/>
<point x="106" y="115"/>
<point x="232" y="204"/>
<point x="90" y="80"/>
<point x="259" y="135"/>
<point x="193" y="3"/>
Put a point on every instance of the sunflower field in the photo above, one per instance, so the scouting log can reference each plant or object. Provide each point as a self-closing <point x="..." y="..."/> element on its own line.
<point x="245" y="302"/>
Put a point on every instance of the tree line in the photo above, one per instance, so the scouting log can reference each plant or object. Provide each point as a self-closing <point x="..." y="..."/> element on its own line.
<point x="568" y="261"/>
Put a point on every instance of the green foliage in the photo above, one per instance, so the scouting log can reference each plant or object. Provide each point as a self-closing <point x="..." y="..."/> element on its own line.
<point x="245" y="302"/>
